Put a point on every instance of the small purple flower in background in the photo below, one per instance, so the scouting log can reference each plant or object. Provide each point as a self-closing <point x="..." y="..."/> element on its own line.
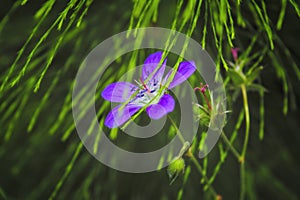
<point x="145" y="92"/>
<point x="234" y="52"/>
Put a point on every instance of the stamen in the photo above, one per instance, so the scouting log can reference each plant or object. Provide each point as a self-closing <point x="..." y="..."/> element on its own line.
<point x="144" y="85"/>
<point x="155" y="82"/>
<point x="139" y="84"/>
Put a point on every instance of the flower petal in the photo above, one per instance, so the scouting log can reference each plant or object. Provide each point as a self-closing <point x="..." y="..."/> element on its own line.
<point x="165" y="105"/>
<point x="185" y="70"/>
<point x="118" y="92"/>
<point x="118" y="117"/>
<point x="150" y="65"/>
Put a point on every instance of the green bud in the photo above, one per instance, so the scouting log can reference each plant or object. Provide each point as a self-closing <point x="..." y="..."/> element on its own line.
<point x="175" y="168"/>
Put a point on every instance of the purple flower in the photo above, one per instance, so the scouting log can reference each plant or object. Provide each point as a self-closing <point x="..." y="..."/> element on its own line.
<point x="147" y="92"/>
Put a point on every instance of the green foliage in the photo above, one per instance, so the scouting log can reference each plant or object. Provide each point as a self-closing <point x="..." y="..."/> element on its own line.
<point x="42" y="51"/>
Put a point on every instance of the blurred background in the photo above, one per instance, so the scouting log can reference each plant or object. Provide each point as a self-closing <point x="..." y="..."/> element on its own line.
<point x="41" y="155"/>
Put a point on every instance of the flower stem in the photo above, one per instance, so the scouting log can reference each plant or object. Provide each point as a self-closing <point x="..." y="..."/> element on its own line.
<point x="244" y="150"/>
<point x="231" y="147"/>
<point x="194" y="160"/>
<point x="199" y="168"/>
<point x="207" y="101"/>
<point x="177" y="130"/>
<point x="243" y="181"/>
<point x="247" y="118"/>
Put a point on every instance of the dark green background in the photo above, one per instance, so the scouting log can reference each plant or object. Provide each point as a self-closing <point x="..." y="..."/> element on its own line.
<point x="31" y="164"/>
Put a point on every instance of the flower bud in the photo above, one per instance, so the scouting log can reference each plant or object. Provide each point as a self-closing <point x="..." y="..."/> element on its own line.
<point x="175" y="168"/>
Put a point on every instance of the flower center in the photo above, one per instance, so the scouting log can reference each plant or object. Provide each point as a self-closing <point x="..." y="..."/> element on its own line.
<point x="147" y="93"/>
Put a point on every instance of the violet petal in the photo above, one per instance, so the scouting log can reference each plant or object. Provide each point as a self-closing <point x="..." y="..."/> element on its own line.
<point x="150" y="65"/>
<point x="165" y="105"/>
<point x="118" y="92"/>
<point x="117" y="116"/>
<point x="185" y="70"/>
